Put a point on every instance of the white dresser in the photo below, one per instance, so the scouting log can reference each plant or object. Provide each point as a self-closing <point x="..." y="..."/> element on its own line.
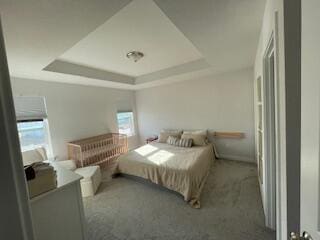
<point x="59" y="214"/>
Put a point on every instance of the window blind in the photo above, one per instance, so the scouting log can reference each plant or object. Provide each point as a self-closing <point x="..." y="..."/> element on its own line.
<point x="125" y="111"/>
<point x="30" y="108"/>
<point x="124" y="106"/>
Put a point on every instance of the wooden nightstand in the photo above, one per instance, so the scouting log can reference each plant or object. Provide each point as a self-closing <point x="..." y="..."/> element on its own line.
<point x="151" y="139"/>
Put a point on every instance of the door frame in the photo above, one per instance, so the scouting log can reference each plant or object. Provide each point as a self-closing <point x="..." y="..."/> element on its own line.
<point x="280" y="170"/>
<point x="270" y="122"/>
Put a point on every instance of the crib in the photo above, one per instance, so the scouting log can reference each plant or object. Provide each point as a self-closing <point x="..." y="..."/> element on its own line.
<point x="98" y="150"/>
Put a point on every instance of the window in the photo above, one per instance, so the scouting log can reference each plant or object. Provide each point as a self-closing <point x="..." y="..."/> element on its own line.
<point x="125" y="123"/>
<point x="33" y="134"/>
<point x="33" y="128"/>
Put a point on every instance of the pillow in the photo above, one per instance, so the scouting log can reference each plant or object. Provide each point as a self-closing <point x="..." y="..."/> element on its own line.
<point x="180" y="142"/>
<point x="164" y="134"/>
<point x="172" y="140"/>
<point x="186" y="142"/>
<point x="198" y="139"/>
<point x="35" y="155"/>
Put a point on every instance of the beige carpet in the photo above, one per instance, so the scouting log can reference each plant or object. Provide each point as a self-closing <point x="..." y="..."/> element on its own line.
<point x="231" y="209"/>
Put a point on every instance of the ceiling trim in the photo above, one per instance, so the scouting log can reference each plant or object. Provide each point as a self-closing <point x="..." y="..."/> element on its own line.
<point x="155" y="78"/>
<point x="59" y="66"/>
<point x="173" y="71"/>
<point x="59" y="77"/>
<point x="176" y="78"/>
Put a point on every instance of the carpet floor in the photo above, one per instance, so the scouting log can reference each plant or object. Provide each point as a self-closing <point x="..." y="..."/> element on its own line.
<point x="231" y="209"/>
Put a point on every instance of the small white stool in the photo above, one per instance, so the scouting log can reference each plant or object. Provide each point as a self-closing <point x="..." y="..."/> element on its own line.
<point x="91" y="179"/>
<point x="91" y="176"/>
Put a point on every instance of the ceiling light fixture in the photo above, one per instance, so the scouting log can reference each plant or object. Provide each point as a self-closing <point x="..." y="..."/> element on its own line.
<point x="135" y="55"/>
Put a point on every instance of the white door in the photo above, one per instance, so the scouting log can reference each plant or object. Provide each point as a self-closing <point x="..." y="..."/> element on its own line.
<point x="310" y="118"/>
<point x="15" y="217"/>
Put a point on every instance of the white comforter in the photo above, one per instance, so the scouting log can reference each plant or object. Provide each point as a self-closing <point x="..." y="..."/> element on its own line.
<point x="183" y="170"/>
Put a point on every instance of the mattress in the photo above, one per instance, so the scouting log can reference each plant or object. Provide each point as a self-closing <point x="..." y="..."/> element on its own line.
<point x="183" y="170"/>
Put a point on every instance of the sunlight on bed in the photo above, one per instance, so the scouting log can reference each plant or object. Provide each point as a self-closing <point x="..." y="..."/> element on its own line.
<point x="160" y="157"/>
<point x="145" y="150"/>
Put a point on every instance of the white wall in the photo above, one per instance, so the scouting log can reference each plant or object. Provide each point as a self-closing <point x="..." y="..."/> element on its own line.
<point x="218" y="103"/>
<point x="76" y="111"/>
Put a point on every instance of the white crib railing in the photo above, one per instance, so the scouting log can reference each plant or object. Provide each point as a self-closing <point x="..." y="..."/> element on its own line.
<point x="98" y="150"/>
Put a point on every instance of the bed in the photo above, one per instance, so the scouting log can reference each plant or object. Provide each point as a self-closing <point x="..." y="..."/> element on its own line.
<point x="183" y="170"/>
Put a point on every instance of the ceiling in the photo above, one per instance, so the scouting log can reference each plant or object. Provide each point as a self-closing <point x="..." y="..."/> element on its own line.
<point x="158" y="38"/>
<point x="85" y="42"/>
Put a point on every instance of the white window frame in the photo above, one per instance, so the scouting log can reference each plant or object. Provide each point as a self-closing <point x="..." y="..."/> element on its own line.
<point x="48" y="145"/>
<point x="133" y="131"/>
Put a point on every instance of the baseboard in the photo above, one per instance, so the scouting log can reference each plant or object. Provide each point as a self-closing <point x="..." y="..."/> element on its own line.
<point x="237" y="158"/>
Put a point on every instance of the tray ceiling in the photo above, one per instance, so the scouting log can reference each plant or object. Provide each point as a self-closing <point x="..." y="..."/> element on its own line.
<point x="142" y="26"/>
<point x="85" y="42"/>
